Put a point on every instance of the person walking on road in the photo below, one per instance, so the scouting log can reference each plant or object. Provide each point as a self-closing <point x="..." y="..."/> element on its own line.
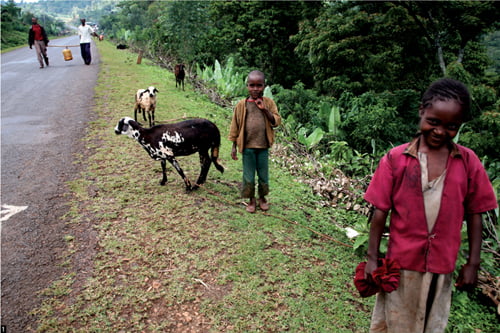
<point x="85" y="32"/>
<point x="38" y="37"/>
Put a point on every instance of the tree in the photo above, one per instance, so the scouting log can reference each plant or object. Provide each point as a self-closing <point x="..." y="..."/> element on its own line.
<point x="11" y="15"/>
<point x="259" y="32"/>
<point x="450" y="26"/>
<point x="16" y="23"/>
<point x="361" y="46"/>
<point x="181" y="30"/>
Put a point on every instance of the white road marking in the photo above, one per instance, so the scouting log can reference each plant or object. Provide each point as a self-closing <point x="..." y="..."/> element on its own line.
<point x="8" y="211"/>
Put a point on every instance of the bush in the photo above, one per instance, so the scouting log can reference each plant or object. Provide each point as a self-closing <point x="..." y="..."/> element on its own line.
<point x="469" y="314"/>
<point x="14" y="38"/>
<point x="373" y="122"/>
<point x="481" y="135"/>
<point x="299" y="102"/>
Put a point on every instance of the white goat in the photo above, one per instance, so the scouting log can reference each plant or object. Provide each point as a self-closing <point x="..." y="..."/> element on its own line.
<point x="145" y="101"/>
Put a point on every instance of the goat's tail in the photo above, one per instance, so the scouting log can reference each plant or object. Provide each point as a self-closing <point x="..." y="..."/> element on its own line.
<point x="215" y="159"/>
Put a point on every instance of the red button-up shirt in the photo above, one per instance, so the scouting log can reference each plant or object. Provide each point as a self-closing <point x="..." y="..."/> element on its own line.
<point x="396" y="186"/>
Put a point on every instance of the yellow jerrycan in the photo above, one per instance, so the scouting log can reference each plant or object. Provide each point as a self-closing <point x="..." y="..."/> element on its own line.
<point x="67" y="54"/>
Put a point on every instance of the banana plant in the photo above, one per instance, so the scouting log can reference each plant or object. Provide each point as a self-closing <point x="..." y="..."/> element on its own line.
<point x="228" y="81"/>
<point x="334" y="121"/>
<point x="310" y="140"/>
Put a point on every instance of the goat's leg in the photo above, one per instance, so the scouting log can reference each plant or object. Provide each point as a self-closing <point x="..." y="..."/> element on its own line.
<point x="164" y="172"/>
<point x="177" y="167"/>
<point x="149" y="118"/>
<point x="205" y="163"/>
<point x="144" y="114"/>
<point x="135" y="114"/>
<point x="153" y="116"/>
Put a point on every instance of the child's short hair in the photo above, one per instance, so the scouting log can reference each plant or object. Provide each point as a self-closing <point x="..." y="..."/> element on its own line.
<point x="448" y="89"/>
<point x="257" y="72"/>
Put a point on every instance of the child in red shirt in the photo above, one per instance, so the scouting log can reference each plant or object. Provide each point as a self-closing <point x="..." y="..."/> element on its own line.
<point x="428" y="185"/>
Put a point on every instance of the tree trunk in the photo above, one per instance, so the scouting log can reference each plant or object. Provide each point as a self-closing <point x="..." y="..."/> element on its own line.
<point x="442" y="64"/>
<point x="460" y="56"/>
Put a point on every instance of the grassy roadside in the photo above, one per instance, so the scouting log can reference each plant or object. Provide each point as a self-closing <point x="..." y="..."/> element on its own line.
<point x="167" y="260"/>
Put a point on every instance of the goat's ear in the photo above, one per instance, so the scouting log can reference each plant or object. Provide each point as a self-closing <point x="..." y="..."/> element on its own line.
<point x="120" y="126"/>
<point x="132" y="123"/>
<point x="156" y="90"/>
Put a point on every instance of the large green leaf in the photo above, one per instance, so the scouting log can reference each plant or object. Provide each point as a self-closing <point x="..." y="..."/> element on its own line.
<point x="334" y="121"/>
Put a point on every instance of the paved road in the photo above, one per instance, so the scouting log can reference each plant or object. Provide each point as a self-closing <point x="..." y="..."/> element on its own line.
<point x="43" y="117"/>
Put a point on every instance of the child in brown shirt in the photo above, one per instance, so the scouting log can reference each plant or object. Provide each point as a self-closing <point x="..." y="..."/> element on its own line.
<point x="252" y="135"/>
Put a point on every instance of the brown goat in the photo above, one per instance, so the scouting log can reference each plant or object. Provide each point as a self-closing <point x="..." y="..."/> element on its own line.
<point x="179" y="75"/>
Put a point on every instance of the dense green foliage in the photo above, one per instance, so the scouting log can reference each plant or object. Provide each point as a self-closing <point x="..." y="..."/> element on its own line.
<point x="371" y="59"/>
<point x="72" y="10"/>
<point x="16" y="24"/>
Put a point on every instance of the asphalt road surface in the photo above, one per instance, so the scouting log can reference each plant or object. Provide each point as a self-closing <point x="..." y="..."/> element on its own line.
<point x="44" y="113"/>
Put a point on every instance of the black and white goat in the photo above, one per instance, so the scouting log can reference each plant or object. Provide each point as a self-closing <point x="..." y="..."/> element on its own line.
<point x="145" y="102"/>
<point x="167" y="141"/>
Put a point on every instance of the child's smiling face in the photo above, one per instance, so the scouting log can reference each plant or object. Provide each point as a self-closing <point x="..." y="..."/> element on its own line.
<point x="255" y="85"/>
<point x="440" y="122"/>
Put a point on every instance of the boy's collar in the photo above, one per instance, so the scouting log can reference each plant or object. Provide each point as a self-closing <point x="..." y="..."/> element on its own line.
<point x="412" y="148"/>
<point x="250" y="99"/>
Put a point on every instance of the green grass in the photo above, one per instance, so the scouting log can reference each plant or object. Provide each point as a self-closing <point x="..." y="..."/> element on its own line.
<point x="168" y="260"/>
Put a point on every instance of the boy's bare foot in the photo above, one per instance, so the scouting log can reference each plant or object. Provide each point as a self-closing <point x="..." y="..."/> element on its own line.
<point x="251" y="206"/>
<point x="263" y="204"/>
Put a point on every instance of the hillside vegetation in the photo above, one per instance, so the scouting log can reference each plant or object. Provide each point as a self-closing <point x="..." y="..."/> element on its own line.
<point x="347" y="77"/>
<point x="164" y="260"/>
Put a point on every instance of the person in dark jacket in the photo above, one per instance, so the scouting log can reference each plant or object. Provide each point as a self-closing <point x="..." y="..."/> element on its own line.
<point x="38" y="37"/>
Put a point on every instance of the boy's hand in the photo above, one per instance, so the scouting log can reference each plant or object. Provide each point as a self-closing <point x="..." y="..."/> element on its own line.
<point x="260" y="104"/>
<point x="371" y="265"/>
<point x="467" y="278"/>
<point x="234" y="154"/>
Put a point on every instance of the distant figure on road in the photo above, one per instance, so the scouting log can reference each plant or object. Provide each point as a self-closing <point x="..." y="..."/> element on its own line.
<point x="85" y="32"/>
<point x="38" y="37"/>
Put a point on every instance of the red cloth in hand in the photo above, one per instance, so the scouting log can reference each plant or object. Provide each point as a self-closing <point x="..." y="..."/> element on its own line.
<point x="387" y="275"/>
<point x="366" y="287"/>
<point x="385" y="278"/>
